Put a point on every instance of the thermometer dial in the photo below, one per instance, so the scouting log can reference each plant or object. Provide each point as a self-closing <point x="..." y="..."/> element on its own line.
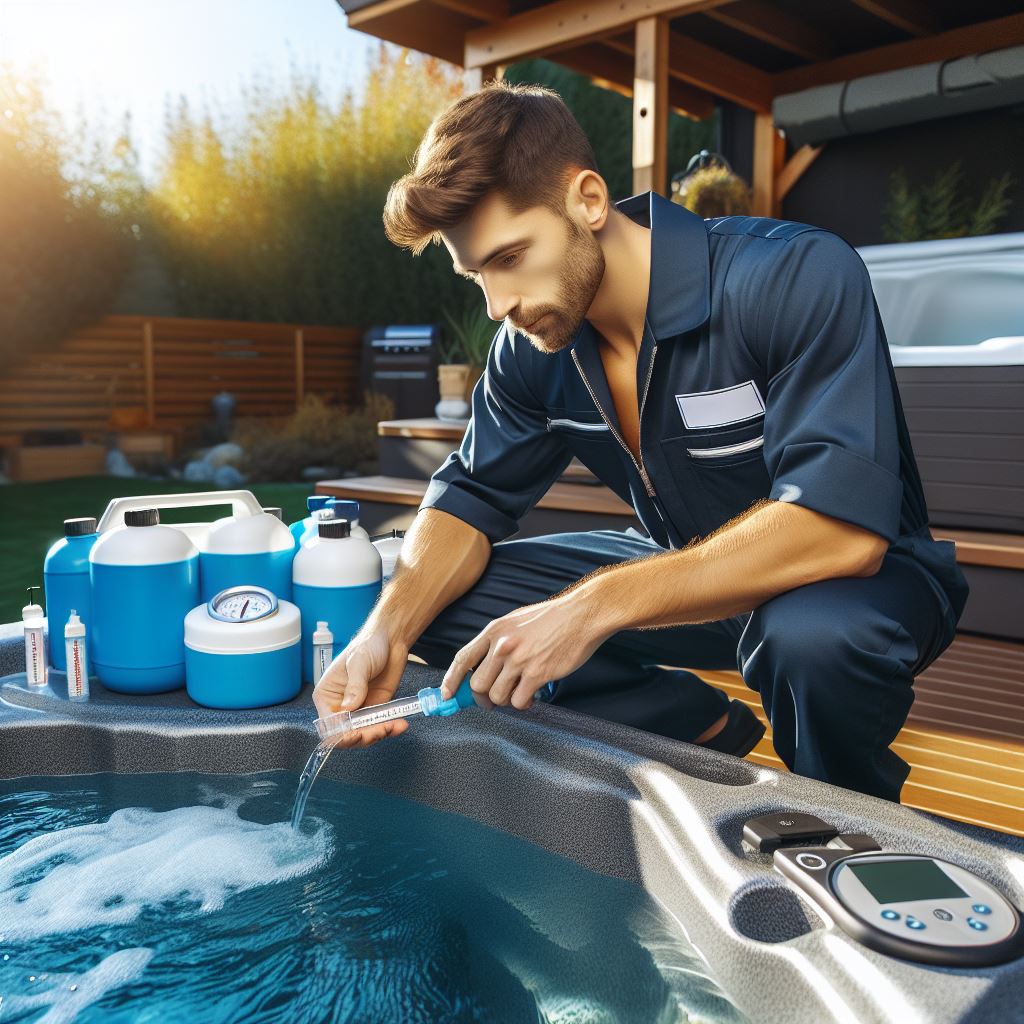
<point x="242" y="604"/>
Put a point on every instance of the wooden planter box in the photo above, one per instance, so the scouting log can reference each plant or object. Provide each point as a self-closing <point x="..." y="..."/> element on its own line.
<point x="55" y="462"/>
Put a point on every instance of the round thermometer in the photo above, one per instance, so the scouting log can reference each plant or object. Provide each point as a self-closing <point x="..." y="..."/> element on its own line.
<point x="242" y="604"/>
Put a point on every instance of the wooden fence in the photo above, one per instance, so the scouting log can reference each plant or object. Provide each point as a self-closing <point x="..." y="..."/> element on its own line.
<point x="169" y="368"/>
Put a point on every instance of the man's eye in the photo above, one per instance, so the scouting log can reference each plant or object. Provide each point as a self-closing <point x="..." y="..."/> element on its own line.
<point x="510" y="260"/>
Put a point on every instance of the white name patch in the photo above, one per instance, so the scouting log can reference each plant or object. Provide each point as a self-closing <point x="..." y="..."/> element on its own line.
<point x="722" y="407"/>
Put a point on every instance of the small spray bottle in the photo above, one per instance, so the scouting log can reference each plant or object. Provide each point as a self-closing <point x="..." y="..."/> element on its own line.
<point x="77" y="660"/>
<point x="323" y="650"/>
<point x="35" y="641"/>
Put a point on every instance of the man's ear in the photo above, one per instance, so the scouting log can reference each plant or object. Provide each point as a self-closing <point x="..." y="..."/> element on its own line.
<point x="587" y="200"/>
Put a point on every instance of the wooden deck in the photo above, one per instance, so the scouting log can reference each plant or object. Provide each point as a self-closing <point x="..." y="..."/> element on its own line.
<point x="964" y="738"/>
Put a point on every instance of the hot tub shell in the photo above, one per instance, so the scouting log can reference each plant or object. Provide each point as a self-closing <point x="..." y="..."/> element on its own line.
<point x="665" y="815"/>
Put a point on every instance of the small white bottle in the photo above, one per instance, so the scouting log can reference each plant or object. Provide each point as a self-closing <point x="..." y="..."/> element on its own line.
<point x="35" y="641"/>
<point x="77" y="660"/>
<point x="323" y="650"/>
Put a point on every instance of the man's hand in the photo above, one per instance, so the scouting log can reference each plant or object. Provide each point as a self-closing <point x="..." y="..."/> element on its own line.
<point x="514" y="656"/>
<point x="368" y="671"/>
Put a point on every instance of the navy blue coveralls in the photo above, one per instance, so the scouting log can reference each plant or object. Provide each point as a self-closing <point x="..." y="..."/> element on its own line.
<point x="763" y="372"/>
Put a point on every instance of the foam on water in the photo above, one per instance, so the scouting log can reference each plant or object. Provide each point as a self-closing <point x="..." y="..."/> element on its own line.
<point x="109" y="872"/>
<point x="69" y="994"/>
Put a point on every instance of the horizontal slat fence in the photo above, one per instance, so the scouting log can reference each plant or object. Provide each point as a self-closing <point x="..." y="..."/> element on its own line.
<point x="172" y="367"/>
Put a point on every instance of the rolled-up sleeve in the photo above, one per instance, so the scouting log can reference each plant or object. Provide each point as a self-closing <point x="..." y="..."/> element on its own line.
<point x="831" y="439"/>
<point x="507" y="460"/>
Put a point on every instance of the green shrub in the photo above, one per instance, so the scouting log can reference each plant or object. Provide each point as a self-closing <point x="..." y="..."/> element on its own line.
<point x="941" y="209"/>
<point x="316" y="434"/>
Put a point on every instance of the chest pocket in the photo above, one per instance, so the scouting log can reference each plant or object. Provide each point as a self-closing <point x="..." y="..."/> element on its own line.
<point x="725" y="466"/>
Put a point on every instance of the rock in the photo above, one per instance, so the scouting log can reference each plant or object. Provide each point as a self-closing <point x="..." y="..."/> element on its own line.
<point x="320" y="472"/>
<point x="226" y="454"/>
<point x="227" y="478"/>
<point x="118" y="464"/>
<point x="199" y="472"/>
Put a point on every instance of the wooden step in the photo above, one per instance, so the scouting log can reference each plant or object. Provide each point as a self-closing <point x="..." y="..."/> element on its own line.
<point x="978" y="547"/>
<point x="564" y="497"/>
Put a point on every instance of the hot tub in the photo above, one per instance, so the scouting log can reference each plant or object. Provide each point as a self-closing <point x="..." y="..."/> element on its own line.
<point x="666" y="817"/>
<point x="953" y="311"/>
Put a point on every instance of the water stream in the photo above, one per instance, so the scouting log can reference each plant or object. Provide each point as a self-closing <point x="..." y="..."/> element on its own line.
<point x="316" y="761"/>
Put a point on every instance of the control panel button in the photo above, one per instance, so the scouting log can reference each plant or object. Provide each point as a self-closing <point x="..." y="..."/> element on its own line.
<point x="978" y="926"/>
<point x="980" y="908"/>
<point x="811" y="861"/>
<point x="942" y="915"/>
<point x="890" y="915"/>
<point x="917" y="926"/>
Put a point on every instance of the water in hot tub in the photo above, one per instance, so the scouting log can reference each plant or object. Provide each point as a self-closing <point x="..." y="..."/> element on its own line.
<point x="187" y="897"/>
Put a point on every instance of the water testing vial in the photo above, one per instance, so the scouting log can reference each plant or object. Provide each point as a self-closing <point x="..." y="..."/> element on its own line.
<point x="77" y="660"/>
<point x="323" y="650"/>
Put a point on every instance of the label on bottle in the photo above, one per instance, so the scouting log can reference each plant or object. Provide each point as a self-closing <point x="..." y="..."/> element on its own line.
<point x="78" y="675"/>
<point x="35" y="656"/>
<point x="323" y="655"/>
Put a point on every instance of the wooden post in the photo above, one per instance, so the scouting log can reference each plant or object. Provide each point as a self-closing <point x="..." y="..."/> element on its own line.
<point x="477" y="78"/>
<point x="300" y="367"/>
<point x="769" y="154"/>
<point x="650" y="107"/>
<point x="148" y="375"/>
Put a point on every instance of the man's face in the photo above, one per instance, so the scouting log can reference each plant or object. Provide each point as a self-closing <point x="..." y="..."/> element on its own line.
<point x="538" y="271"/>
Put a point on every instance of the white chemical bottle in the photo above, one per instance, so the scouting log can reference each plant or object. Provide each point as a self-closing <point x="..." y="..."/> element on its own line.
<point x="390" y="547"/>
<point x="323" y="650"/>
<point x="35" y="641"/>
<point x="77" y="659"/>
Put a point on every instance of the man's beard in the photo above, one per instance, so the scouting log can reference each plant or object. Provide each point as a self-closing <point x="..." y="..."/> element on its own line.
<point x="580" y="279"/>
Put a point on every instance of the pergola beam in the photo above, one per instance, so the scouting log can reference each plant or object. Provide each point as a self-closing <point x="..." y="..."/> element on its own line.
<point x="650" y="107"/>
<point x="612" y="69"/>
<point x="489" y="11"/>
<point x="713" y="71"/>
<point x="774" y="26"/>
<point x="958" y="42"/>
<point x="794" y="169"/>
<point x="566" y="23"/>
<point x="911" y="16"/>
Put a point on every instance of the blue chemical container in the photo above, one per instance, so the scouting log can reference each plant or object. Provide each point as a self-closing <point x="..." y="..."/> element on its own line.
<point x="242" y="650"/>
<point x="335" y="579"/>
<point x="66" y="583"/>
<point x="304" y="529"/>
<point x="145" y="580"/>
<point x="249" y="549"/>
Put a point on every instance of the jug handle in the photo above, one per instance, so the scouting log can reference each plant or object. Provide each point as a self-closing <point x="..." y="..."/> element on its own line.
<point x="243" y="503"/>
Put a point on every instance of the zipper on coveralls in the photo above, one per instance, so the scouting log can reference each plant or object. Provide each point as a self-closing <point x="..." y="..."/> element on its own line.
<point x="648" y="486"/>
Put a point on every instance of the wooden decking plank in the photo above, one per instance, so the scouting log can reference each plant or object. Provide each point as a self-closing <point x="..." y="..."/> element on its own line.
<point x="963" y="740"/>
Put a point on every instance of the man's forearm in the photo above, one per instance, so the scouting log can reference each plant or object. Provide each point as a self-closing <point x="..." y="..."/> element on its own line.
<point x="442" y="557"/>
<point x="774" y="547"/>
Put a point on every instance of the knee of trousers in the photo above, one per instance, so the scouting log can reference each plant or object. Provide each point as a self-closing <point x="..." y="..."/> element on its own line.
<point x="820" y="653"/>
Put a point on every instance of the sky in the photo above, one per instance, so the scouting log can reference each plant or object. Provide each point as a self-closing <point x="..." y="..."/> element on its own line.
<point x="107" y="56"/>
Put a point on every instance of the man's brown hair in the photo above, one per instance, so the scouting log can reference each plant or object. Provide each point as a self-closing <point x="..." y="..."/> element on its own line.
<point x="519" y="140"/>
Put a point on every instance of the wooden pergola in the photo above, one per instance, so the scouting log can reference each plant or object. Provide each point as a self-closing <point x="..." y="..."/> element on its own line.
<point x="686" y="55"/>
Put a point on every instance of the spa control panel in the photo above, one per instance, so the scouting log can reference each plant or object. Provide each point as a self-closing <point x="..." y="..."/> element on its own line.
<point x="914" y="907"/>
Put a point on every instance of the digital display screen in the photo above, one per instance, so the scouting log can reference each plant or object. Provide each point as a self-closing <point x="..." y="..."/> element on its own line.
<point x="896" y="881"/>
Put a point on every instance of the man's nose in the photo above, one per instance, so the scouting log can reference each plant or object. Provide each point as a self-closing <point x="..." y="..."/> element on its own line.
<point x="499" y="304"/>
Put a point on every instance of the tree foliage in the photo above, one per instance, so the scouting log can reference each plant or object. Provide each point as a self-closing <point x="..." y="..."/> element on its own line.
<point x="68" y="220"/>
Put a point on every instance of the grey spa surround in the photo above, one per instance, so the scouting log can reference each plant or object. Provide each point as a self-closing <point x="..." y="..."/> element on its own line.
<point x="665" y="815"/>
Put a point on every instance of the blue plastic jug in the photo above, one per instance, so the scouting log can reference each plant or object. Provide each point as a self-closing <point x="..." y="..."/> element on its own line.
<point x="248" y="549"/>
<point x="335" y="579"/>
<point x="145" y="580"/>
<point x="304" y="529"/>
<point x="66" y="584"/>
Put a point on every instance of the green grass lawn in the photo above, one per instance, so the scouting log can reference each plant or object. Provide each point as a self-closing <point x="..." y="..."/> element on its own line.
<point x="32" y="518"/>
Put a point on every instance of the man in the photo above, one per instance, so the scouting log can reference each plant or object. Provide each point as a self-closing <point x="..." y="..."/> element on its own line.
<point x="731" y="380"/>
